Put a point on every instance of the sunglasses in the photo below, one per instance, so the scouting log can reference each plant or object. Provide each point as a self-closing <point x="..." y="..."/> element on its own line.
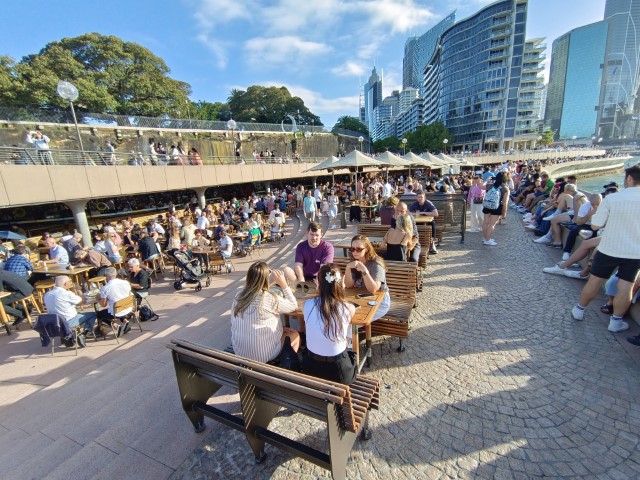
<point x="357" y="249"/>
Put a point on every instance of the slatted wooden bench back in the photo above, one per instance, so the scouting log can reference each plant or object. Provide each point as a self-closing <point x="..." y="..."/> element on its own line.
<point x="263" y="389"/>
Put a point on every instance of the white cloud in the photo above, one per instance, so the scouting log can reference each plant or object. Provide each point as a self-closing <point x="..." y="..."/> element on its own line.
<point x="317" y="103"/>
<point x="209" y="13"/>
<point x="398" y="15"/>
<point x="216" y="47"/>
<point x="349" y="69"/>
<point x="287" y="16"/>
<point x="288" y="49"/>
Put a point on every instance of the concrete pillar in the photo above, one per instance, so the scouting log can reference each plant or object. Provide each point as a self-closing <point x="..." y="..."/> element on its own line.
<point x="267" y="186"/>
<point x="80" y="216"/>
<point x="315" y="180"/>
<point x="201" y="198"/>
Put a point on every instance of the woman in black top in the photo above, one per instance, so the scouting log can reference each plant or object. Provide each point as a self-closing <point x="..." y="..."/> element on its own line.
<point x="493" y="215"/>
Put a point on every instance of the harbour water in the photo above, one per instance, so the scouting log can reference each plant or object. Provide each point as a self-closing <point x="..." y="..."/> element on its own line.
<point x="595" y="184"/>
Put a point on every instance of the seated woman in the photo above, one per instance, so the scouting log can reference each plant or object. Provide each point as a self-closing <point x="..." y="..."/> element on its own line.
<point x="367" y="270"/>
<point x="397" y="239"/>
<point x="111" y="248"/>
<point x="327" y="319"/>
<point x="256" y="330"/>
<point x="200" y="241"/>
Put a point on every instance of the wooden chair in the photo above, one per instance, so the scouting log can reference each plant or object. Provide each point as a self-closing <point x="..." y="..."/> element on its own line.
<point x="125" y="304"/>
<point x="99" y="280"/>
<point x="41" y="287"/>
<point x="32" y="300"/>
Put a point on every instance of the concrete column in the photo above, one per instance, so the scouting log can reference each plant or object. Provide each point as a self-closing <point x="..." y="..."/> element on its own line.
<point x="80" y="216"/>
<point x="201" y="198"/>
<point x="267" y="186"/>
<point x="315" y="180"/>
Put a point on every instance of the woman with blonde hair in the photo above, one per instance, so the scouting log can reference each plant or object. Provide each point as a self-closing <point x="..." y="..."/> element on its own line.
<point x="397" y="240"/>
<point x="256" y="330"/>
<point x="367" y="270"/>
<point x="327" y="319"/>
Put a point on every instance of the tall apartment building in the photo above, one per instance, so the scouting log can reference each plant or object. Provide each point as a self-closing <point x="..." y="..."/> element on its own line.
<point x="472" y="82"/>
<point x="417" y="52"/>
<point x="618" y="106"/>
<point x="573" y="93"/>
<point x="372" y="98"/>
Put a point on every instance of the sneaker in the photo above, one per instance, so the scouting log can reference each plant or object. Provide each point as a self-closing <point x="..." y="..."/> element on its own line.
<point x="82" y="340"/>
<point x="532" y="226"/>
<point x="433" y="250"/>
<point x="555" y="269"/>
<point x="491" y="243"/>
<point x="574" y="274"/>
<point x="565" y="256"/>
<point x="473" y="230"/>
<point x="635" y="340"/>
<point x="119" y="331"/>
<point x="542" y="240"/>
<point x="527" y="216"/>
<point x="616" y="326"/>
<point x="127" y="328"/>
<point x="548" y="219"/>
<point x="577" y="313"/>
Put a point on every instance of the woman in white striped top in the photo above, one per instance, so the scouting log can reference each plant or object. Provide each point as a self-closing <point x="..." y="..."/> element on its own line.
<point x="256" y="330"/>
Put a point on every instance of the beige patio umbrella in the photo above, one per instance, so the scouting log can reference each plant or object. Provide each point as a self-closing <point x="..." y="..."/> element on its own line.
<point x="356" y="159"/>
<point x="326" y="164"/>
<point x="391" y="160"/>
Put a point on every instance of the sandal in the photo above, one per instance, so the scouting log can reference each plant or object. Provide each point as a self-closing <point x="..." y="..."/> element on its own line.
<point x="607" y="308"/>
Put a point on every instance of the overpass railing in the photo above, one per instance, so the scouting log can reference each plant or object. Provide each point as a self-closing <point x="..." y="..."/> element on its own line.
<point x="31" y="156"/>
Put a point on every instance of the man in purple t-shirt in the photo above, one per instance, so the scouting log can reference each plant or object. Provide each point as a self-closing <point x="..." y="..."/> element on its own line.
<point x="310" y="255"/>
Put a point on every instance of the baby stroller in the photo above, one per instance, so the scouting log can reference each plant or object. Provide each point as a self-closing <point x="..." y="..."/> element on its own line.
<point x="190" y="270"/>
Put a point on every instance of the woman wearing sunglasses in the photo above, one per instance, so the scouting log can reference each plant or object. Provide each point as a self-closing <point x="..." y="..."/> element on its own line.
<point x="367" y="270"/>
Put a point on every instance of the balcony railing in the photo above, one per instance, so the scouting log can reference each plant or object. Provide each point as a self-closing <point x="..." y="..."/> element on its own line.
<point x="30" y="156"/>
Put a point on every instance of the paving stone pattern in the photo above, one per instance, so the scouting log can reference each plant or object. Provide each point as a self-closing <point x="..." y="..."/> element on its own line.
<point x="498" y="381"/>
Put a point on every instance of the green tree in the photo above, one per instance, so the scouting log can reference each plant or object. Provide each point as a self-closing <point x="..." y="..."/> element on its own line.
<point x="9" y="86"/>
<point x="210" y="111"/>
<point x="389" y="143"/>
<point x="111" y="75"/>
<point x="548" y="137"/>
<point x="269" y="105"/>
<point x="428" y="137"/>
<point x="347" y="122"/>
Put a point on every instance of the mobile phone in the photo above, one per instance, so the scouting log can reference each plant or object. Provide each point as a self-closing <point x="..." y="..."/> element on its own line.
<point x="365" y="295"/>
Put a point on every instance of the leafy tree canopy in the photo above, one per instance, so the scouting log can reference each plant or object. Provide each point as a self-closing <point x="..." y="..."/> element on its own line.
<point x="269" y="105"/>
<point x="548" y="137"/>
<point x="347" y="122"/>
<point x="390" y="143"/>
<point x="210" y="111"/>
<point x="428" y="137"/>
<point x="111" y="75"/>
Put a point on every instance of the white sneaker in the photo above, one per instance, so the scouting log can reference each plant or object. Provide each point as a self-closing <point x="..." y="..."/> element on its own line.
<point x="577" y="313"/>
<point x="574" y="274"/>
<point x="566" y="255"/>
<point x="491" y="243"/>
<point x="531" y="226"/>
<point x="473" y="230"/>
<point x="542" y="240"/>
<point x="548" y="219"/>
<point x="555" y="269"/>
<point x="617" y="325"/>
<point x="527" y="216"/>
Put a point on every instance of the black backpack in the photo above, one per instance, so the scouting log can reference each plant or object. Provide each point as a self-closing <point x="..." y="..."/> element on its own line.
<point x="147" y="314"/>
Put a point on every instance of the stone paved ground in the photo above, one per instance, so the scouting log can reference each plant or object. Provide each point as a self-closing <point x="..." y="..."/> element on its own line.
<point x="498" y="381"/>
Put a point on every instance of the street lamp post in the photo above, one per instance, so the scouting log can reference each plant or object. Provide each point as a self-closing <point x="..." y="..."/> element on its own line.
<point x="574" y="138"/>
<point x="445" y="141"/>
<point x="361" y="139"/>
<point x="404" y="146"/>
<point x="69" y="92"/>
<point x="231" y="125"/>
<point x="307" y="136"/>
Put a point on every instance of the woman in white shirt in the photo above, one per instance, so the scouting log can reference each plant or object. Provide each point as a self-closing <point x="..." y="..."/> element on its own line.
<point x="327" y="319"/>
<point x="256" y="330"/>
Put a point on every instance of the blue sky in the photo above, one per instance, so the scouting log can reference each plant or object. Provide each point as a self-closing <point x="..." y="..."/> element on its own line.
<point x="322" y="50"/>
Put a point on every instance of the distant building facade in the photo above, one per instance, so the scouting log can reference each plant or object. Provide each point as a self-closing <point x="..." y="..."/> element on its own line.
<point x="372" y="98"/>
<point x="573" y="92"/>
<point x="472" y="82"/>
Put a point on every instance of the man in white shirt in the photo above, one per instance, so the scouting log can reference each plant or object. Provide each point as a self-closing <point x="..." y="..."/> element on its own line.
<point x="114" y="291"/>
<point x="57" y="253"/>
<point x="226" y="245"/>
<point x="62" y="301"/>
<point x="387" y="190"/>
<point x="203" y="222"/>
<point x="619" y="249"/>
<point x="317" y="195"/>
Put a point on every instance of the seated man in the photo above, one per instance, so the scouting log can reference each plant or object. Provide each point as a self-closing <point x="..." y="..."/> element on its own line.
<point x="19" y="263"/>
<point x="311" y="254"/>
<point x="62" y="301"/>
<point x="139" y="279"/>
<point x="226" y="245"/>
<point x="93" y="258"/>
<point x="424" y="207"/>
<point x="539" y="193"/>
<point x="71" y="244"/>
<point x="147" y="247"/>
<point x="57" y="253"/>
<point x="114" y="291"/>
<point x="19" y="288"/>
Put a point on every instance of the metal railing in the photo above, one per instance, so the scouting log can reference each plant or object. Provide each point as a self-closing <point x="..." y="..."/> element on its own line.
<point x="136" y="121"/>
<point x="31" y="156"/>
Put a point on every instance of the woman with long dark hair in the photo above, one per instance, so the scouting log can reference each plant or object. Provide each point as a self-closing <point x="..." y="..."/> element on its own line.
<point x="327" y="319"/>
<point x="367" y="270"/>
<point x="495" y="205"/>
<point x="256" y="330"/>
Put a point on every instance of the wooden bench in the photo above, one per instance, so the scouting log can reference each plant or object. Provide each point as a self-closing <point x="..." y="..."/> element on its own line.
<point x="402" y="283"/>
<point x="263" y="389"/>
<point x="424" y="237"/>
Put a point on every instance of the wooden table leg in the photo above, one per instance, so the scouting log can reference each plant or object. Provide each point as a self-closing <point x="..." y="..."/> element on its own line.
<point x="4" y="319"/>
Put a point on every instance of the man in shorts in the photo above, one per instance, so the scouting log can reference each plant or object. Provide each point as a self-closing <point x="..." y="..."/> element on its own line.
<point x="310" y="256"/>
<point x="619" y="249"/>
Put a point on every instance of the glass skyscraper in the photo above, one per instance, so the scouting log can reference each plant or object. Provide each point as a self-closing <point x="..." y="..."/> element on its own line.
<point x="372" y="99"/>
<point x="574" y="84"/>
<point x="618" y="109"/>
<point x="472" y="82"/>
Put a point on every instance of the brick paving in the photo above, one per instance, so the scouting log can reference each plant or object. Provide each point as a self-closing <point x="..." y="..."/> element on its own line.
<point x="498" y="381"/>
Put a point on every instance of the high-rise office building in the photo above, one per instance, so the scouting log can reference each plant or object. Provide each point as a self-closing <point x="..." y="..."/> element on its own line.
<point x="417" y="52"/>
<point x="618" y="106"/>
<point x="372" y="98"/>
<point x="574" y="83"/>
<point x="472" y="82"/>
